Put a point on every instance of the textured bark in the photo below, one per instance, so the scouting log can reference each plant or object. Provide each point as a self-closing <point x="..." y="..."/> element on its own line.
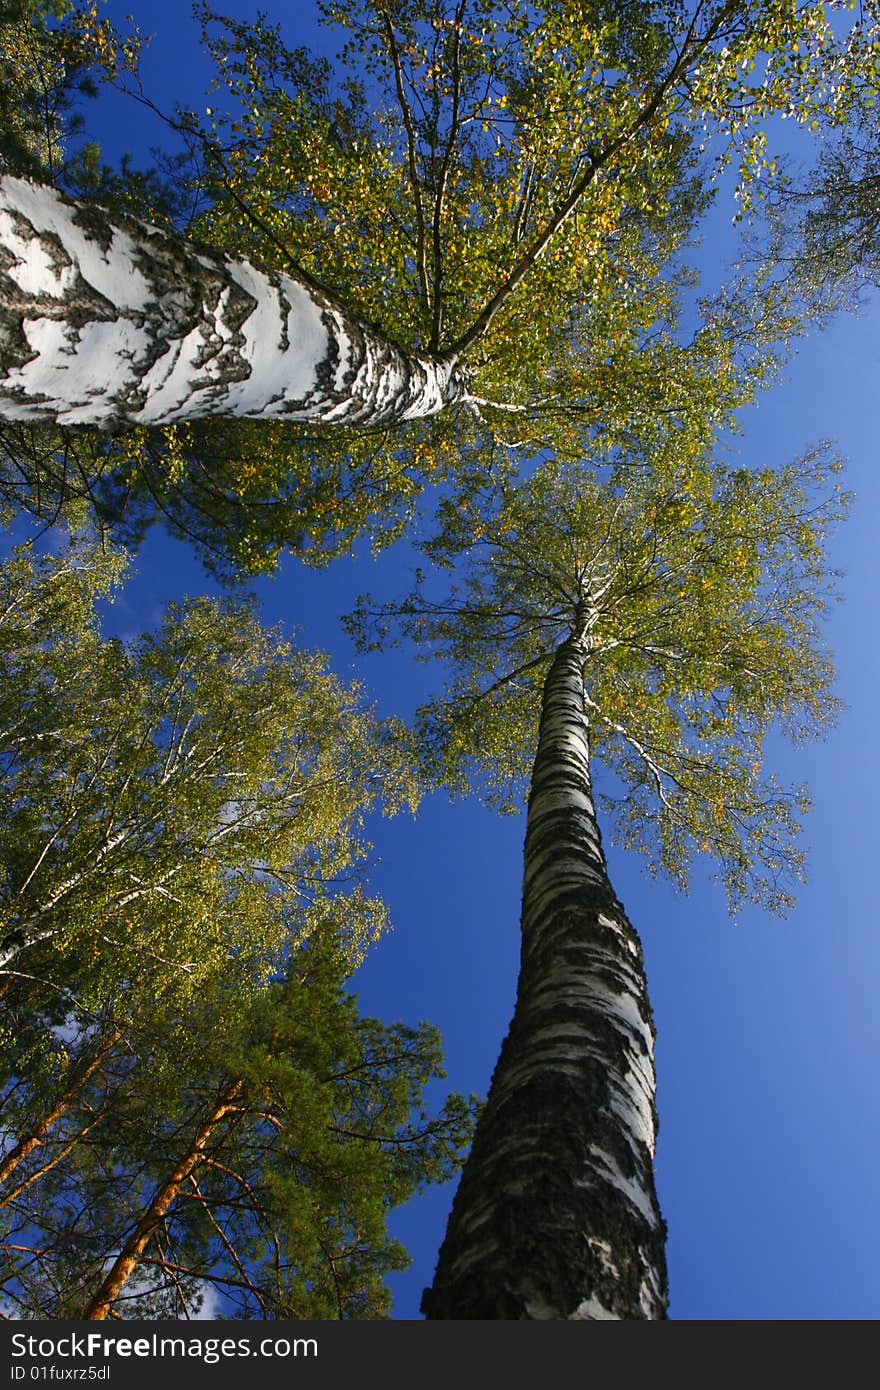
<point x="106" y="321"/>
<point x="129" y="1256"/>
<point x="556" y="1215"/>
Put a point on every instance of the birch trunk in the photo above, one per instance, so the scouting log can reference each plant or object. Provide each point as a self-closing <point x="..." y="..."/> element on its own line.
<point x="108" y="322"/>
<point x="129" y="1256"/>
<point x="556" y="1215"/>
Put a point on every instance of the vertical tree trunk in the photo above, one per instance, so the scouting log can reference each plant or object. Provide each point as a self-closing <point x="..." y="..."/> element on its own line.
<point x="556" y="1214"/>
<point x="129" y="1256"/>
<point x="106" y="321"/>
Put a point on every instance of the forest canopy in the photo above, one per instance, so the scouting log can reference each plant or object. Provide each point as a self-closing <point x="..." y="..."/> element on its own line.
<point x="436" y="298"/>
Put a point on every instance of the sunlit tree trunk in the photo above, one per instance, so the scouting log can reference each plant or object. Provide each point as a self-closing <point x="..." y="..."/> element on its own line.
<point x="79" y="1074"/>
<point x="556" y="1215"/>
<point x="106" y="321"/>
<point x="129" y="1256"/>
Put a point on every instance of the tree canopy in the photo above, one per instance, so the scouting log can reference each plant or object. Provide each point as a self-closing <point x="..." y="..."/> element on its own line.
<point x="484" y="212"/>
<point x="701" y="600"/>
<point x="630" y="645"/>
<point x="170" y="789"/>
<point x="495" y="189"/>
<point x="247" y="1152"/>
<point x="195" y="1102"/>
<point x="825" y="228"/>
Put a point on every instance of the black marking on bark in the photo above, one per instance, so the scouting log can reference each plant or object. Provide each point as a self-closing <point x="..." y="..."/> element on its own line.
<point x="94" y="221"/>
<point x="543" y="1224"/>
<point x="183" y="282"/>
<point x="325" y="388"/>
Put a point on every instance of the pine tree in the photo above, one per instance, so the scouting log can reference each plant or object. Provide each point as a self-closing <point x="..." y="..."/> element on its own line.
<point x="193" y="1103"/>
<point x="247" y="1154"/>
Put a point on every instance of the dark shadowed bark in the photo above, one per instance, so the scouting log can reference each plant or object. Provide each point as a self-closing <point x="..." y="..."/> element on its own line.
<point x="556" y="1215"/>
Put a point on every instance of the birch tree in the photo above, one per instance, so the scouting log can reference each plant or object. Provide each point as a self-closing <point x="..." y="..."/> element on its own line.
<point x="630" y="647"/>
<point x="156" y="799"/>
<point x="45" y="72"/>
<point x="446" y="244"/>
<point x="189" y="1098"/>
<point x="825" y="230"/>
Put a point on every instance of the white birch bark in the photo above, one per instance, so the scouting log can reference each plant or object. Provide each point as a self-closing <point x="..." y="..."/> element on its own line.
<point x="108" y="322"/>
<point x="556" y="1215"/>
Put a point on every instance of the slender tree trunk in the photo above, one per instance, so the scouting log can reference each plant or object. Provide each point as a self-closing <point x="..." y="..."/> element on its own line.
<point x="106" y="321"/>
<point x="58" y="1156"/>
<point x="556" y="1214"/>
<point x="129" y="1256"/>
<point x="25" y="1146"/>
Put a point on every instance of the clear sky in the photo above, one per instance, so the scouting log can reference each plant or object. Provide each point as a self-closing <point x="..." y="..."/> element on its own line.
<point x="768" y="1030"/>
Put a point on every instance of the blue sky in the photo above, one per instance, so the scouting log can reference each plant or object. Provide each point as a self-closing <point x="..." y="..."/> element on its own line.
<point x="768" y="1030"/>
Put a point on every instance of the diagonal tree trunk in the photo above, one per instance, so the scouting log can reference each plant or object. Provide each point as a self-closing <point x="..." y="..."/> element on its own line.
<point x="27" y="1143"/>
<point x="556" y="1214"/>
<point x="129" y="1256"/>
<point x="106" y="321"/>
